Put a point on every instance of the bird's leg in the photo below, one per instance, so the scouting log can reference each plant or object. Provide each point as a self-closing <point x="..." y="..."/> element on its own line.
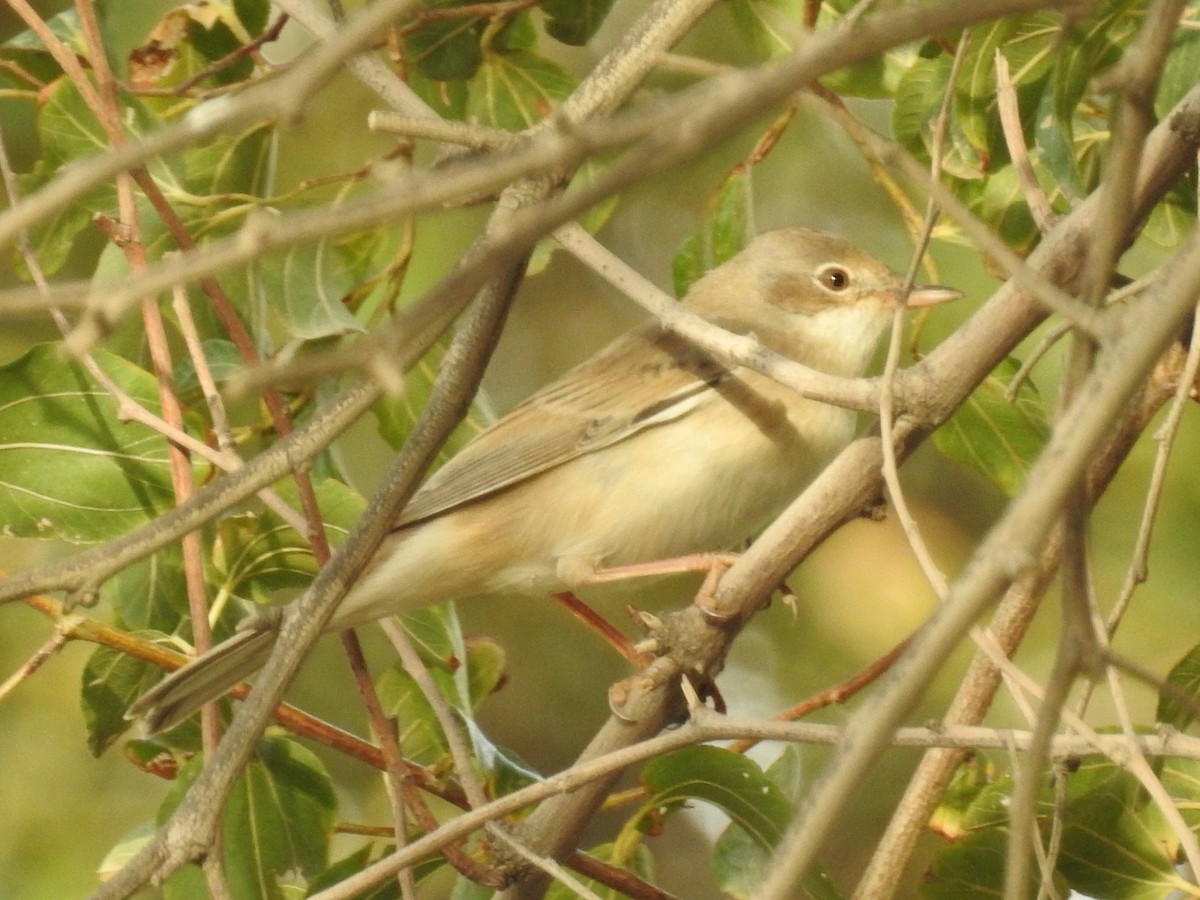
<point x="609" y="632"/>
<point x="579" y="571"/>
<point x="712" y="565"/>
<point x="676" y="565"/>
<point x="576" y="571"/>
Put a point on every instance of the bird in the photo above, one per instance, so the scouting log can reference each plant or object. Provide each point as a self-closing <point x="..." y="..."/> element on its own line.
<point x="650" y="449"/>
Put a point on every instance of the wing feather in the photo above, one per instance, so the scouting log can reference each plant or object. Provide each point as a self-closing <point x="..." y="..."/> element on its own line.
<point x="586" y="409"/>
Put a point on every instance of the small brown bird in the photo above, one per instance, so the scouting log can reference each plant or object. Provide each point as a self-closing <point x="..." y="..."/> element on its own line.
<point x="649" y="450"/>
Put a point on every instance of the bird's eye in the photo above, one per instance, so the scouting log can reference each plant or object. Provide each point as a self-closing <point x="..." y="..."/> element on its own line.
<point x="834" y="278"/>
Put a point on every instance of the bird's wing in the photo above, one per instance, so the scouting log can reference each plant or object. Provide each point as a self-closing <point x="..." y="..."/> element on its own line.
<point x="585" y="410"/>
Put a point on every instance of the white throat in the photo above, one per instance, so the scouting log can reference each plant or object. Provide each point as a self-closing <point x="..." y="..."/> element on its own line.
<point x="842" y="341"/>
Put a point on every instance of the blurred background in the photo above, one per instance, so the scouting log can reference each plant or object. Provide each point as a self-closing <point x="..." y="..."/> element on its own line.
<point x="62" y="810"/>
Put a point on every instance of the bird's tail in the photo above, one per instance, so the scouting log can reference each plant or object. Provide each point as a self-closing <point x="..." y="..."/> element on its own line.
<point x="203" y="679"/>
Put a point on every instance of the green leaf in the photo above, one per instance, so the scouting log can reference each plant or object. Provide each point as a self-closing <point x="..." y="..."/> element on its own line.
<point x="727" y="780"/>
<point x="396" y="415"/>
<point x="67" y="127"/>
<point x="420" y="734"/>
<point x="975" y="91"/>
<point x="448" y="50"/>
<point x="465" y="675"/>
<point x="740" y="862"/>
<point x="215" y="33"/>
<point x="188" y="883"/>
<point x="574" y="21"/>
<point x="1171" y="220"/>
<point x="125" y="849"/>
<point x="447" y="97"/>
<point x="516" y="89"/>
<point x="351" y="865"/>
<point x="1179" y="73"/>
<point x="64" y="26"/>
<point x="224" y="362"/>
<point x="1028" y="44"/>
<point x="69" y="467"/>
<point x="185" y="43"/>
<point x="230" y="164"/>
<point x="724" y="230"/>
<point x="961" y="801"/>
<point x="487" y="666"/>
<point x="54" y="238"/>
<point x="1115" y="843"/>
<point x="1094" y="44"/>
<point x="996" y="436"/>
<point x="1184" y="677"/>
<point x="1181" y="778"/>
<point x="1053" y="152"/>
<point x="154" y="757"/>
<point x="67" y="131"/>
<point x="918" y="95"/>
<point x="437" y="634"/>
<point x="355" y="862"/>
<point x="308" y="285"/>
<point x="111" y="681"/>
<point x="255" y="555"/>
<point x="278" y="820"/>
<point x="770" y="26"/>
<point x="868" y="79"/>
<point x="253" y="15"/>
<point x="150" y="594"/>
<point x="971" y="868"/>
<point x="313" y="289"/>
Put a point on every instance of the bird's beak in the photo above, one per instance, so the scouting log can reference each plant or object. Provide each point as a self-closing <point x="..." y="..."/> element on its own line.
<point x="931" y="295"/>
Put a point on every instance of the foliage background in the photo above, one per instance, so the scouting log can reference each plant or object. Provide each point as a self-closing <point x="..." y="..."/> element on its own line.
<point x="61" y="809"/>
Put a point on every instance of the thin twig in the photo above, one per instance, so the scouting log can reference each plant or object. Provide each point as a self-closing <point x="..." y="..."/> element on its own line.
<point x="49" y="649"/>
<point x="456" y="739"/>
<point x="705" y="726"/>
<point x="277" y="99"/>
<point x="891" y="474"/>
<point x="544" y="863"/>
<point x="1010" y="123"/>
<point x="476" y="137"/>
<point x="395" y="771"/>
<point x="852" y="393"/>
<point x="1138" y="74"/>
<point x="1011" y="544"/>
<point x="1165" y="437"/>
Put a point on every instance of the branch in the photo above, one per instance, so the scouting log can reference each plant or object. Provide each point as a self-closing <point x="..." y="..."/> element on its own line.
<point x="1011" y="545"/>
<point x="1078" y="649"/>
<point x="973" y="699"/>
<point x="706" y="725"/>
<point x="278" y="99"/>
<point x="852" y="393"/>
<point x="81" y="575"/>
<point x="188" y="832"/>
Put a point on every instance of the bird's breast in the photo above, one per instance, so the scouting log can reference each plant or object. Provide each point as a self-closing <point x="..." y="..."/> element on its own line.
<point x="703" y="482"/>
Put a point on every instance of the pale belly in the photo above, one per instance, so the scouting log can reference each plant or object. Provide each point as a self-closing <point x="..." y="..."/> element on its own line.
<point x="674" y="491"/>
<point x="688" y="486"/>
